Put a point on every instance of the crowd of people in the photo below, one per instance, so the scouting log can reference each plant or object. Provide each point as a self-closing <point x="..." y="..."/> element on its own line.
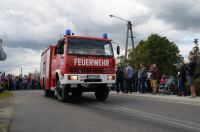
<point x="140" y="80"/>
<point x="147" y="80"/>
<point x="26" y="82"/>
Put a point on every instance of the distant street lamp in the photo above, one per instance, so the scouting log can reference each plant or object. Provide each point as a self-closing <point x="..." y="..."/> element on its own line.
<point x="129" y="30"/>
<point x="3" y="55"/>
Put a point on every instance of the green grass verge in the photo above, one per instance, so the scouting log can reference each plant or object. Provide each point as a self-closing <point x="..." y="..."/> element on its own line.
<point x="5" y="94"/>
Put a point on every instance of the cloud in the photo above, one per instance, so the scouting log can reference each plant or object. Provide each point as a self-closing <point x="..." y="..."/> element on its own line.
<point x="28" y="59"/>
<point x="183" y="14"/>
<point x="28" y="27"/>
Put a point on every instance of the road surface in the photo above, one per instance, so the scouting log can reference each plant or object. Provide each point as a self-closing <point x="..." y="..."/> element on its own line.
<point x="120" y="113"/>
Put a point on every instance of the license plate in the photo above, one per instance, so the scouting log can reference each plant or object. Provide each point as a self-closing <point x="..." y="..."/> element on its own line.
<point x="93" y="77"/>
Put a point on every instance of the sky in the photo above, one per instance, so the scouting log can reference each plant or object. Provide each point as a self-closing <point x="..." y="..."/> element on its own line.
<point x="27" y="27"/>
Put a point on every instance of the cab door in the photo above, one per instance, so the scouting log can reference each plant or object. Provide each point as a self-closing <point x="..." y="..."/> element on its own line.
<point x="58" y="58"/>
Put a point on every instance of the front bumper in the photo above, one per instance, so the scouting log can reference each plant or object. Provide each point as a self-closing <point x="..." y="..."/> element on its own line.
<point x="82" y="79"/>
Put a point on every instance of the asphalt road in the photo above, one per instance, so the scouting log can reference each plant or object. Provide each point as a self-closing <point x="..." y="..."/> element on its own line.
<point x="120" y="113"/>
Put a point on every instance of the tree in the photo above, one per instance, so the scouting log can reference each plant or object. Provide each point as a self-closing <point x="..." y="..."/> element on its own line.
<point x="121" y="61"/>
<point x="196" y="50"/>
<point x="158" y="50"/>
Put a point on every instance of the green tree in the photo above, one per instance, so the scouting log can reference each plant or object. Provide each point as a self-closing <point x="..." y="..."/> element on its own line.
<point x="196" y="52"/>
<point x="158" y="50"/>
<point x="121" y="61"/>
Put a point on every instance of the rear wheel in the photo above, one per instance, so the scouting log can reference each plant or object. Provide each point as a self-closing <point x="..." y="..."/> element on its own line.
<point x="47" y="92"/>
<point x="62" y="92"/>
<point x="102" y="93"/>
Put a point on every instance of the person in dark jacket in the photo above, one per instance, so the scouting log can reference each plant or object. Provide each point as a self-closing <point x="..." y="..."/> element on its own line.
<point x="119" y="80"/>
<point x="190" y="68"/>
<point x="182" y="80"/>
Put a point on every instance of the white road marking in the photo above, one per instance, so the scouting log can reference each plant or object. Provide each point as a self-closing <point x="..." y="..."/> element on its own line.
<point x="168" y="100"/>
<point x="155" y="117"/>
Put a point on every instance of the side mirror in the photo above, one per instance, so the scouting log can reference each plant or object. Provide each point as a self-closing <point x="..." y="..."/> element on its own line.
<point x="118" y="50"/>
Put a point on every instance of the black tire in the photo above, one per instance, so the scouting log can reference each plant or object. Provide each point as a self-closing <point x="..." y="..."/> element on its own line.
<point x="102" y="94"/>
<point x="77" y="93"/>
<point x="47" y="92"/>
<point x="62" y="92"/>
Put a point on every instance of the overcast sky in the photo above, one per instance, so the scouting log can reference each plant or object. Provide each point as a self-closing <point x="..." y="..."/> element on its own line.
<point x="28" y="26"/>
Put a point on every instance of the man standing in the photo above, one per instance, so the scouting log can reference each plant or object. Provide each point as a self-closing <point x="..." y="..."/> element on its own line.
<point x="190" y="67"/>
<point x="3" y="55"/>
<point x="182" y="80"/>
<point x="142" y="78"/>
<point x="119" y="80"/>
<point x="154" y="78"/>
<point x="148" y="80"/>
<point x="129" y="77"/>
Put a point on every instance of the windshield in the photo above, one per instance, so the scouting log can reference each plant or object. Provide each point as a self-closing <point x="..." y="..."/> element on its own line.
<point x="77" y="46"/>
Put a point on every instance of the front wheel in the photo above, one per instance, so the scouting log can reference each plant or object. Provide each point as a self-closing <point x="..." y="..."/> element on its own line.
<point x="62" y="92"/>
<point x="102" y="94"/>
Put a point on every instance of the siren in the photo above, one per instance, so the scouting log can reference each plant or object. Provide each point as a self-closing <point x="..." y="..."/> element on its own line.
<point x="68" y="32"/>
<point x="105" y="35"/>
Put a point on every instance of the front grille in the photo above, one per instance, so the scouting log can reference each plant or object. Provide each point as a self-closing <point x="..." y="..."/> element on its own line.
<point x="92" y="80"/>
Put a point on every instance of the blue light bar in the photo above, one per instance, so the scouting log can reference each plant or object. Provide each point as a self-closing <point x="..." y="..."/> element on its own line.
<point x="105" y="35"/>
<point x="68" y="32"/>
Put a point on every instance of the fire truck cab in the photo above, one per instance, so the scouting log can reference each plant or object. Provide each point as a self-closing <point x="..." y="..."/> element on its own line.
<point x="77" y="64"/>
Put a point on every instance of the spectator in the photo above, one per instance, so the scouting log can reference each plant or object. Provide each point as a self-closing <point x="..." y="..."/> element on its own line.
<point x="190" y="68"/>
<point x="182" y="80"/>
<point x="128" y="78"/>
<point x="14" y="86"/>
<point x="142" y="75"/>
<point x="163" y="80"/>
<point x="11" y="82"/>
<point x="136" y="80"/>
<point x="29" y="79"/>
<point x="148" y="80"/>
<point x="154" y="78"/>
<point x="25" y="82"/>
<point x="119" y="80"/>
<point x="20" y="82"/>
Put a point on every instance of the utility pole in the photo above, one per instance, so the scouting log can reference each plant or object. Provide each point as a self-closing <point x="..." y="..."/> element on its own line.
<point x="21" y="70"/>
<point x="129" y="31"/>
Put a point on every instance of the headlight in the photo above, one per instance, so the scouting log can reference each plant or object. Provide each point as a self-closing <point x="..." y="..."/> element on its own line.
<point x="72" y="77"/>
<point x="111" y="77"/>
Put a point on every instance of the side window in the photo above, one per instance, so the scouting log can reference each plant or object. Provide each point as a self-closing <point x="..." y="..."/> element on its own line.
<point x="55" y="50"/>
<point x="107" y="48"/>
<point x="60" y="46"/>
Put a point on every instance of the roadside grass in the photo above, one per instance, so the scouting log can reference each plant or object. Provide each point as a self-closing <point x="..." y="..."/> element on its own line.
<point x="5" y="94"/>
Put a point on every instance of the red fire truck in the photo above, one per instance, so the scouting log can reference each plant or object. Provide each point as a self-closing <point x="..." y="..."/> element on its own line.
<point x="77" y="64"/>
